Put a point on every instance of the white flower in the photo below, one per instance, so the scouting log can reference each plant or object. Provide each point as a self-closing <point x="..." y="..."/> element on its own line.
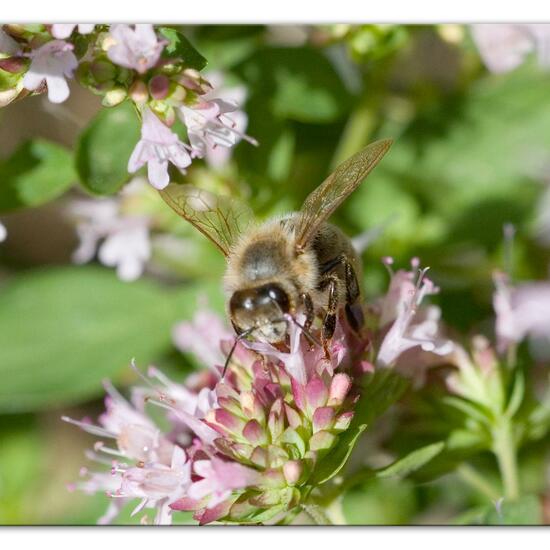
<point x="3" y="232"/>
<point x="64" y="30"/>
<point x="53" y="62"/>
<point x="157" y="147"/>
<point x="505" y="47"/>
<point x="210" y="126"/>
<point x="137" y="48"/>
<point x="121" y="240"/>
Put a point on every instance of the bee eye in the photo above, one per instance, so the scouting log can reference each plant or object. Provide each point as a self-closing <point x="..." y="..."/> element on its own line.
<point x="277" y="294"/>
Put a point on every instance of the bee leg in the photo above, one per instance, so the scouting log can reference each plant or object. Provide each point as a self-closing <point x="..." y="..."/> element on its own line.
<point x="354" y="316"/>
<point x="329" y="322"/>
<point x="308" y="307"/>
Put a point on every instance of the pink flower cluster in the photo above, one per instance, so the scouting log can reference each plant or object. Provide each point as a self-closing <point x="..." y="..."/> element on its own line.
<point x="131" y="61"/>
<point x="245" y="448"/>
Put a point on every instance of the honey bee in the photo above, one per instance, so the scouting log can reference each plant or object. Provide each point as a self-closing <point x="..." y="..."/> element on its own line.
<point x="295" y="263"/>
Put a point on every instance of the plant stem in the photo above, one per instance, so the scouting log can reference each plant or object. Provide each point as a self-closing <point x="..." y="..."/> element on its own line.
<point x="504" y="448"/>
<point x="290" y="516"/>
<point x="357" y="131"/>
<point x="335" y="512"/>
<point x="316" y="513"/>
<point x="471" y="476"/>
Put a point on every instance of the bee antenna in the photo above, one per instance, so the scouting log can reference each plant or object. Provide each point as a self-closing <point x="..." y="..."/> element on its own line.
<point x="239" y="337"/>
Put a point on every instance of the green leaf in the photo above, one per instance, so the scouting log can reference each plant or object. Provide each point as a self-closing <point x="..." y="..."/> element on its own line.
<point x="19" y="468"/>
<point x="299" y="83"/>
<point x="37" y="172"/>
<point x="518" y="393"/>
<point x="378" y="391"/>
<point x="104" y="148"/>
<point x="180" y="48"/>
<point x="412" y="462"/>
<point x="526" y="510"/>
<point x="475" y="155"/>
<point x="337" y="458"/>
<point x="469" y="408"/>
<point x="66" y="329"/>
<point x="382" y="502"/>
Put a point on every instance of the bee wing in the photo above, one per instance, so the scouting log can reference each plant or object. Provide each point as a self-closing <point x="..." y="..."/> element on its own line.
<point x="324" y="200"/>
<point x="221" y="219"/>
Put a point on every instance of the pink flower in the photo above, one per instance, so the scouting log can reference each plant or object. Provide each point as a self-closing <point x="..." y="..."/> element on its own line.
<point x="202" y="337"/>
<point x="411" y="327"/>
<point x="219" y="478"/>
<point x="505" y="47"/>
<point x="53" y="62"/>
<point x="187" y="408"/>
<point x="137" y="48"/>
<point x="136" y="435"/>
<point x="521" y="311"/>
<point x="157" y="485"/>
<point x="157" y="147"/>
<point x="64" y="30"/>
<point x="243" y="444"/>
<point x="209" y="126"/>
<point x="293" y="360"/>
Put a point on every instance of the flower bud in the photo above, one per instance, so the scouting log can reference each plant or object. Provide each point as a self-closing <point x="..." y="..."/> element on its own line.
<point x="254" y="433"/>
<point x="14" y="30"/>
<point x="138" y="92"/>
<point x="316" y="393"/>
<point x="323" y="418"/>
<point x="159" y="86"/>
<point x="321" y="441"/>
<point x="292" y="471"/>
<point x="343" y="421"/>
<point x="102" y="71"/>
<point x="339" y="388"/>
<point x="177" y="93"/>
<point x="14" y="64"/>
<point x="114" y="97"/>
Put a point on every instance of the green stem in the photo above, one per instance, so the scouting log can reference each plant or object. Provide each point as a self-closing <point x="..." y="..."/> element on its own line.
<point x="504" y="448"/>
<point x="471" y="476"/>
<point x="357" y="131"/>
<point x="316" y="514"/>
<point x="335" y="512"/>
<point x="290" y="516"/>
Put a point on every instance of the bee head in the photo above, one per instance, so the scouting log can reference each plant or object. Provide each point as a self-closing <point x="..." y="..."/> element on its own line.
<point x="262" y="307"/>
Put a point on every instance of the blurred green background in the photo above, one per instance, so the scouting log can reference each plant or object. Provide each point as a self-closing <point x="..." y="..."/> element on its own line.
<point x="471" y="153"/>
